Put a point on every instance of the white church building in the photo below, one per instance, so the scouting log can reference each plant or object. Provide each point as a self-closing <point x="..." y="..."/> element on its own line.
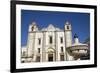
<point x="52" y="44"/>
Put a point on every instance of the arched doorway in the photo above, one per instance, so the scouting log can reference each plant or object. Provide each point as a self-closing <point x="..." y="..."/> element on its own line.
<point x="51" y="55"/>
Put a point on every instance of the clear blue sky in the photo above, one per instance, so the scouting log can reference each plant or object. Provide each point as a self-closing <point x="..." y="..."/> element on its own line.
<point x="80" y="22"/>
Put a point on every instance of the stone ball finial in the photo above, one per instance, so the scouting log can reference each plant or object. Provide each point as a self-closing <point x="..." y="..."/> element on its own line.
<point x="33" y="23"/>
<point x="67" y="23"/>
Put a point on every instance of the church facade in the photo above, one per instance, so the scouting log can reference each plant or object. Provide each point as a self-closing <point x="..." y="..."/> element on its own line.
<point x="48" y="44"/>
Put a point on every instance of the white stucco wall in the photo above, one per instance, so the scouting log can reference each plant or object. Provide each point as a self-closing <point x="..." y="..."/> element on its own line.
<point x="30" y="43"/>
<point x="24" y="49"/>
<point x="59" y="44"/>
<point x="43" y="35"/>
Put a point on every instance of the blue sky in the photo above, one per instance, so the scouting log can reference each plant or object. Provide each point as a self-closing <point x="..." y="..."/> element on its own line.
<point x="80" y="22"/>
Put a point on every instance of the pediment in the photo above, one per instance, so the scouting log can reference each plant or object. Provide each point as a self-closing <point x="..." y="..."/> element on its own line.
<point x="51" y="27"/>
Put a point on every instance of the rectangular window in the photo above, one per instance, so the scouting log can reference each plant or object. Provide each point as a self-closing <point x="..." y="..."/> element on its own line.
<point x="62" y="49"/>
<point x="50" y="39"/>
<point x="39" y="41"/>
<point x="61" y="39"/>
<point x="38" y="50"/>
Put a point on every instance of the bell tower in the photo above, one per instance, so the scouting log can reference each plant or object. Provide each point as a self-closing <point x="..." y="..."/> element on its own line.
<point x="33" y="27"/>
<point x="68" y="40"/>
<point x="68" y="34"/>
<point x="30" y="42"/>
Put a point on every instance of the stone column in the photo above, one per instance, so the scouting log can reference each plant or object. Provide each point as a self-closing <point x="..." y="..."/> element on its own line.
<point x="56" y="45"/>
<point x="44" y="47"/>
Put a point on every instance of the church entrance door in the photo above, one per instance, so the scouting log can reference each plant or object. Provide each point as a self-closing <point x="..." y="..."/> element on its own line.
<point x="50" y="57"/>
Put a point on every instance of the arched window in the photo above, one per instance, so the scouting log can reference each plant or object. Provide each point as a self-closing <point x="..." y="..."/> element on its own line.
<point x="67" y="27"/>
<point x="32" y="28"/>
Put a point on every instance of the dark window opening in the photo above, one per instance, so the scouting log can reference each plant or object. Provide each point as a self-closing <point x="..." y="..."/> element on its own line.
<point x="23" y="61"/>
<point x="62" y="49"/>
<point x="32" y="28"/>
<point x="50" y="39"/>
<point x="67" y="27"/>
<point x="61" y="40"/>
<point x="38" y="50"/>
<point x="39" y="41"/>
